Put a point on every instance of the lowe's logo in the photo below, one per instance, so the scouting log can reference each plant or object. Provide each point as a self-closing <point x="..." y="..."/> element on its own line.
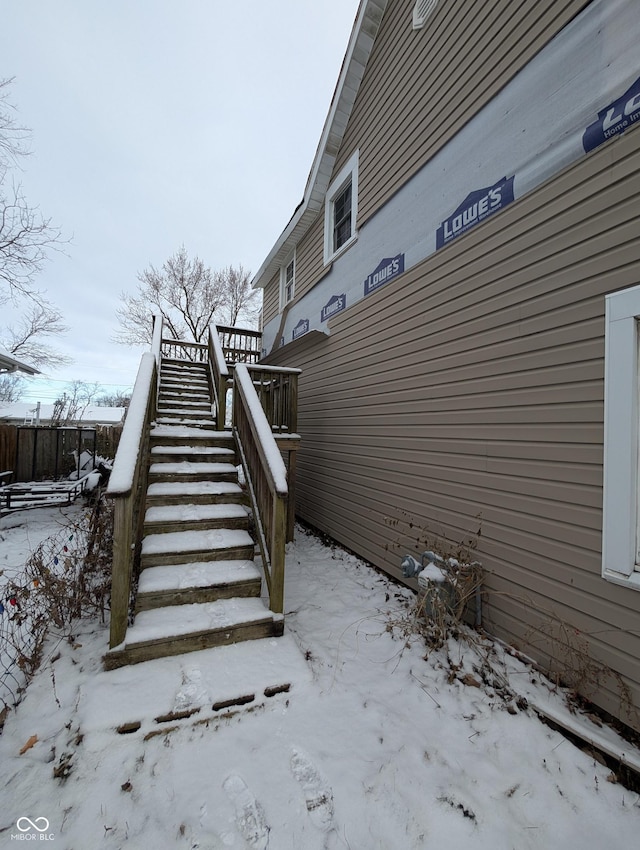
<point x="300" y="329"/>
<point x="476" y="207"/>
<point x="614" y="119"/>
<point x="385" y="271"/>
<point x="336" y="304"/>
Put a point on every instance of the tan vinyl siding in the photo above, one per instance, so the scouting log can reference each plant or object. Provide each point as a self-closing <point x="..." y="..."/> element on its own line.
<point x="271" y="299"/>
<point x="421" y="87"/>
<point x="470" y="392"/>
<point x="418" y="92"/>
<point x="309" y="257"/>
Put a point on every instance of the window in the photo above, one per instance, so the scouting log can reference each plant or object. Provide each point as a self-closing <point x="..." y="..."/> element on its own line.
<point x="341" y="209"/>
<point x="620" y="537"/>
<point x="288" y="281"/>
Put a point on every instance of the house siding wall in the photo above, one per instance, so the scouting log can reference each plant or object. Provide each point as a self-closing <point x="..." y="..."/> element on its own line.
<point x="422" y="86"/>
<point x="271" y="299"/>
<point x="468" y="393"/>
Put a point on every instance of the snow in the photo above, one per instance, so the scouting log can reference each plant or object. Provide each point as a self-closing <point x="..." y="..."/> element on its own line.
<point x="193" y="541"/>
<point x="186" y="467"/>
<point x="121" y="480"/>
<point x="345" y="733"/>
<point x="265" y="436"/>
<point x="197" y="574"/>
<point x="197" y="513"/>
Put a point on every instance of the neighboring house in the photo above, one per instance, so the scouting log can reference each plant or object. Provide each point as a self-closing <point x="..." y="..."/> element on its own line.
<point x="28" y="413"/>
<point x="8" y="363"/>
<point x="461" y="289"/>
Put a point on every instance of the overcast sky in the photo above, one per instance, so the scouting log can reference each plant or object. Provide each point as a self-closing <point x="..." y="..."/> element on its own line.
<point x="157" y="123"/>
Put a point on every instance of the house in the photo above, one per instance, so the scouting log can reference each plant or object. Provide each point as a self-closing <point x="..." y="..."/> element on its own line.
<point x="28" y="413"/>
<point x="460" y="286"/>
<point x="9" y="364"/>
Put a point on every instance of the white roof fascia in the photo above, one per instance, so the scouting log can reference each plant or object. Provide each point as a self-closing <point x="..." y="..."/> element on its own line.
<point x="10" y="364"/>
<point x="361" y="42"/>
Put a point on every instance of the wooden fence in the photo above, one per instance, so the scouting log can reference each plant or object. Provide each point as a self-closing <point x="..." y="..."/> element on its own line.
<point x="34" y="453"/>
<point x="8" y="443"/>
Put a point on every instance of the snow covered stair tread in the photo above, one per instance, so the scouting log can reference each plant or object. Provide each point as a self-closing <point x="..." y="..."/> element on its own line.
<point x="182" y="547"/>
<point x="188" y="619"/>
<point x="198" y="574"/>
<point x="185" y="467"/>
<point x="202" y="581"/>
<point x="189" y="512"/>
<point x="194" y="491"/>
<point x="178" y="629"/>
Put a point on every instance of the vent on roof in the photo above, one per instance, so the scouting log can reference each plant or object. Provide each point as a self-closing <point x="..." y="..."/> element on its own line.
<point x="421" y="12"/>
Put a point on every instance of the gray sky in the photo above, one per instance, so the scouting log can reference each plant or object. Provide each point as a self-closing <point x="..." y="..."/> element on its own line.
<point x="157" y="123"/>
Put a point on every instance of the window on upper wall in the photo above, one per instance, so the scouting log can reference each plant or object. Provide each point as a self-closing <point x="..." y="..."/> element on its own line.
<point x="341" y="210"/>
<point x="620" y="520"/>
<point x="288" y="281"/>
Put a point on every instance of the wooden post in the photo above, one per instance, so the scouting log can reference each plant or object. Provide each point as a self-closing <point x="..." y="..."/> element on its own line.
<point x="122" y="568"/>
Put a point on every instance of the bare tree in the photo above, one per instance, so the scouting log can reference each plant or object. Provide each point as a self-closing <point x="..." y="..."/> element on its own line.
<point x="184" y="292"/>
<point x="26" y="237"/>
<point x="117" y="399"/>
<point x="241" y="302"/>
<point x="70" y="407"/>
<point x="11" y="387"/>
<point x="25" y="338"/>
<point x="188" y="295"/>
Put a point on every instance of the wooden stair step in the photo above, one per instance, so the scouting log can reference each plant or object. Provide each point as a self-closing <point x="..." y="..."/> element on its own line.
<point x="195" y="492"/>
<point x="182" y="584"/>
<point x="189" y="471"/>
<point x="167" y="433"/>
<point x="173" y="454"/>
<point x="179" y="418"/>
<point x="187" y="628"/>
<point x="182" y="547"/>
<point x="165" y="518"/>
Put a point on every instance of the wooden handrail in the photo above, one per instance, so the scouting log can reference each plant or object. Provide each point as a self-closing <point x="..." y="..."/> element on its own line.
<point x="127" y="487"/>
<point x="240" y="345"/>
<point x="266" y="478"/>
<point x="218" y="377"/>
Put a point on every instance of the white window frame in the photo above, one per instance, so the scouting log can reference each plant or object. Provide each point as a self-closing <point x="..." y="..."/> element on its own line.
<point x="620" y="532"/>
<point x="291" y="259"/>
<point x="348" y="174"/>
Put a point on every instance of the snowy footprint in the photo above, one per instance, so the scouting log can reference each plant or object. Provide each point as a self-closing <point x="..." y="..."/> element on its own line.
<point x="317" y="791"/>
<point x="250" y="817"/>
<point x="192" y="691"/>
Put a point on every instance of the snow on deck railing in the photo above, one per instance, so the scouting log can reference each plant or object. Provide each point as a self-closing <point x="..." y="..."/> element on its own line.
<point x="127" y="486"/>
<point x="121" y="478"/>
<point x="263" y="433"/>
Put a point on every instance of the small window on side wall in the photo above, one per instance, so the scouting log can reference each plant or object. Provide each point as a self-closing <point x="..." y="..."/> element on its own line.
<point x="288" y="281"/>
<point x="341" y="210"/>
<point x="621" y="477"/>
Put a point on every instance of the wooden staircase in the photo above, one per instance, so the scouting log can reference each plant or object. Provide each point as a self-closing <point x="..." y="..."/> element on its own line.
<point x="198" y="585"/>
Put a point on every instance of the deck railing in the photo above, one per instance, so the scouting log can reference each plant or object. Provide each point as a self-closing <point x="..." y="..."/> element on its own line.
<point x="127" y="487"/>
<point x="218" y="377"/>
<point x="266" y="478"/>
<point x="240" y="345"/>
<point x="180" y="349"/>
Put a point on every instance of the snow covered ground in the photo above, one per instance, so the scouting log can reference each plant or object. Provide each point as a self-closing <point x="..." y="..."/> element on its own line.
<point x="345" y="733"/>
